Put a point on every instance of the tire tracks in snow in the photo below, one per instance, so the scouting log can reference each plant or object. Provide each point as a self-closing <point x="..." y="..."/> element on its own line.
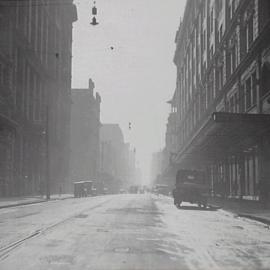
<point x="6" y="250"/>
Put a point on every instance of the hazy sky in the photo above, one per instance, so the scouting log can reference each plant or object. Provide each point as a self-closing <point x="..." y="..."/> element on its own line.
<point x="129" y="55"/>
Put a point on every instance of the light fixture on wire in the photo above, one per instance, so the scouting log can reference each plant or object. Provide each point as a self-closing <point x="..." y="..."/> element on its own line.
<point x="94" y="21"/>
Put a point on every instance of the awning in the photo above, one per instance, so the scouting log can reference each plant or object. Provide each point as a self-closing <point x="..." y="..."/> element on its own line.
<point x="224" y="134"/>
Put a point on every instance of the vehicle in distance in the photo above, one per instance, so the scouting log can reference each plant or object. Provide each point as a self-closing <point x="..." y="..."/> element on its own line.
<point x="83" y="189"/>
<point x="162" y="189"/>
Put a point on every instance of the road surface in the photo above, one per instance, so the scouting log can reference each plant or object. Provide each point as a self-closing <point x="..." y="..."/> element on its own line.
<point x="129" y="232"/>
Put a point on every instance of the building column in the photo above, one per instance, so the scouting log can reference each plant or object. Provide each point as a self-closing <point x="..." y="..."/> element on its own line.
<point x="241" y="173"/>
<point x="264" y="167"/>
<point x="227" y="183"/>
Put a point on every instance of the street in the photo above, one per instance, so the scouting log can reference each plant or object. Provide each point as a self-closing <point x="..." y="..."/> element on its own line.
<point x="129" y="231"/>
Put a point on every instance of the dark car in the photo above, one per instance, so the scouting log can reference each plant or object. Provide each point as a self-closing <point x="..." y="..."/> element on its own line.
<point x="162" y="189"/>
<point x="191" y="187"/>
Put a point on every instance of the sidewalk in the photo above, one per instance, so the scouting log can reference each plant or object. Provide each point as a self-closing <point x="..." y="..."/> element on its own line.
<point x="17" y="201"/>
<point x="244" y="208"/>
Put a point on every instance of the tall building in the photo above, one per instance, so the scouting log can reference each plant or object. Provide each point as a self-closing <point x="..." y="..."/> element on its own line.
<point x="116" y="159"/>
<point x="85" y="138"/>
<point x="222" y="96"/>
<point x="35" y="84"/>
<point x="129" y="166"/>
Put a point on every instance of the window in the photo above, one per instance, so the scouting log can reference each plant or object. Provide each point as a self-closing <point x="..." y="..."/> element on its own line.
<point x="231" y="104"/>
<point x="204" y="40"/>
<point x="219" y="76"/>
<point x="218" y="6"/>
<point x="210" y="91"/>
<point x="203" y="11"/>
<point x="254" y="88"/>
<point x="251" y="91"/>
<point x="212" y="20"/>
<point x="220" y="33"/>
<point x="233" y="54"/>
<point x="228" y="64"/>
<point x="233" y="7"/>
<point x="248" y="27"/>
<point x="236" y="103"/>
<point x="211" y="52"/>
<point x="249" y="33"/>
<point x="248" y="93"/>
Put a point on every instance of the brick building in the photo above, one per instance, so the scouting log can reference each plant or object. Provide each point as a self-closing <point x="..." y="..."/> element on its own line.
<point x="85" y="138"/>
<point x="35" y="84"/>
<point x="222" y="96"/>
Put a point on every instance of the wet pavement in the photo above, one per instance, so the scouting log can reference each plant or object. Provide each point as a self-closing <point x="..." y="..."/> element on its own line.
<point x="129" y="232"/>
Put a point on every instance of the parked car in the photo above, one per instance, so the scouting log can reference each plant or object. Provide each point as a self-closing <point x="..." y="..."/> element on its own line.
<point x="83" y="188"/>
<point x="162" y="189"/>
<point x="190" y="186"/>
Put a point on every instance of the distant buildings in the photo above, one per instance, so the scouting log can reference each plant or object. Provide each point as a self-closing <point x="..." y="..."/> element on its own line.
<point x="221" y="104"/>
<point x="117" y="160"/>
<point x="156" y="166"/>
<point x="85" y="138"/>
<point x="35" y="84"/>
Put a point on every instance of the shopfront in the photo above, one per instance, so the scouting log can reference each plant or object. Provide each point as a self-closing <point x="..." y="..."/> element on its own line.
<point x="234" y="149"/>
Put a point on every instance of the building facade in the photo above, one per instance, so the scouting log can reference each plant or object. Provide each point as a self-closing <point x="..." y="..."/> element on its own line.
<point x="117" y="160"/>
<point x="35" y="84"/>
<point x="85" y="135"/>
<point x="129" y="166"/>
<point x="156" y="166"/>
<point x="222" y="96"/>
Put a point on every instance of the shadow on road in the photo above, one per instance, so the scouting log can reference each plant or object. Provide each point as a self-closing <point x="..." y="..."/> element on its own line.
<point x="210" y="208"/>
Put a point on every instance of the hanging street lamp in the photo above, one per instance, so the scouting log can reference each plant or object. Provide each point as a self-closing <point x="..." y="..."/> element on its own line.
<point x="94" y="13"/>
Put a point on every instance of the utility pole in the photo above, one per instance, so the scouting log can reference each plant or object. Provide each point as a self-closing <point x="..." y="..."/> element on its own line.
<point x="48" y="175"/>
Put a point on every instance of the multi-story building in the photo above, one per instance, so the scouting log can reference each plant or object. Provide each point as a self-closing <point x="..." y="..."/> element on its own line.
<point x="35" y="84"/>
<point x="163" y="169"/>
<point x="85" y="138"/>
<point x="129" y="166"/>
<point x="222" y="95"/>
<point x="115" y="158"/>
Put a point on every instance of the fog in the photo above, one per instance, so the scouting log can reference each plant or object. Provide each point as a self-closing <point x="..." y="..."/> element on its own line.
<point x="129" y="56"/>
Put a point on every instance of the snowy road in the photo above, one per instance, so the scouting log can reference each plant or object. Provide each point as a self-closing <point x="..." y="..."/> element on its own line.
<point x="128" y="232"/>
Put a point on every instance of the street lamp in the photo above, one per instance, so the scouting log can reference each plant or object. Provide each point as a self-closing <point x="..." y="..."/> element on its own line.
<point x="94" y="13"/>
<point x="94" y="9"/>
<point x="94" y="21"/>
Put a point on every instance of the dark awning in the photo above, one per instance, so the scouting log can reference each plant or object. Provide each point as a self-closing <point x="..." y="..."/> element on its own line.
<point x="224" y="134"/>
